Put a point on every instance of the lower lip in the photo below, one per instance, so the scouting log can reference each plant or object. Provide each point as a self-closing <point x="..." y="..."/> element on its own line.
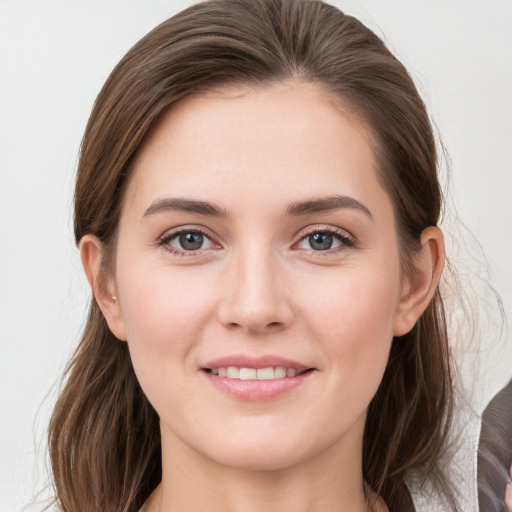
<point x="257" y="389"/>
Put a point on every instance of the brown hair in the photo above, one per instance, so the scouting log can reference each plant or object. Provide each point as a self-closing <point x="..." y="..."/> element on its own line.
<point x="104" y="435"/>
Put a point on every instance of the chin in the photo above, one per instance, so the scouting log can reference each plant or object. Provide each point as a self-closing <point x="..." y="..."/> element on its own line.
<point x="260" y="460"/>
<point x="264" y="453"/>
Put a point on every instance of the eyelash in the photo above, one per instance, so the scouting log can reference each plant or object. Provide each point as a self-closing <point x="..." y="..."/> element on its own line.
<point x="167" y="237"/>
<point x="345" y="239"/>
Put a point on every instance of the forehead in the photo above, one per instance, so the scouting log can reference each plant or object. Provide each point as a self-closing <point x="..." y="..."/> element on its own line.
<point x="255" y="147"/>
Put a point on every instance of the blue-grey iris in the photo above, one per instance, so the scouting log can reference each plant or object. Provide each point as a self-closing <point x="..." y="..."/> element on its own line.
<point x="191" y="241"/>
<point x="320" y="241"/>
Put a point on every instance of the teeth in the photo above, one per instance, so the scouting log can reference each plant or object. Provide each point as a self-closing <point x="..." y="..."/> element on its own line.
<point x="233" y="372"/>
<point x="264" y="373"/>
<point x="280" y="372"/>
<point x="248" y="373"/>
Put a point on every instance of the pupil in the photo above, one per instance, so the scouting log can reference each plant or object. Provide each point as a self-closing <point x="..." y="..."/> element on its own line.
<point x="191" y="241"/>
<point x="320" y="241"/>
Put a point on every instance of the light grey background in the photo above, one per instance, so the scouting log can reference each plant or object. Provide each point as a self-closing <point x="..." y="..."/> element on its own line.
<point x="54" y="57"/>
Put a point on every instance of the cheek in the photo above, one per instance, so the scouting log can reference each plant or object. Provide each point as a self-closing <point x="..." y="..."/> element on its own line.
<point x="164" y="314"/>
<point x="353" y="321"/>
<point x="355" y="304"/>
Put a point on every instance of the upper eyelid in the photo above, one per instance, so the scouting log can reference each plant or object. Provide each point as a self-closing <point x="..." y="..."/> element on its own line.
<point x="173" y="232"/>
<point x="325" y="229"/>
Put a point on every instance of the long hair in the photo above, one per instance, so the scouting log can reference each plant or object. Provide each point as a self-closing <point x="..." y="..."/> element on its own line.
<point x="104" y="435"/>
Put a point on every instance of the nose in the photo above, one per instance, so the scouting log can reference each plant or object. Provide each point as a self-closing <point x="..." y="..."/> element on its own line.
<point x="255" y="297"/>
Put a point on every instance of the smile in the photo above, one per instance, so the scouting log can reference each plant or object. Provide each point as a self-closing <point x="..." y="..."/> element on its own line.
<point x="270" y="373"/>
<point x="256" y="378"/>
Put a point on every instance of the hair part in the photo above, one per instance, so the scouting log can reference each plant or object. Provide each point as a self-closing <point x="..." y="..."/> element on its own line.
<point x="104" y="435"/>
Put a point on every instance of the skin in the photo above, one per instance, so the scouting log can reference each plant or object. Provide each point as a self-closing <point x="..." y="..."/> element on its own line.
<point x="258" y="287"/>
<point x="508" y="492"/>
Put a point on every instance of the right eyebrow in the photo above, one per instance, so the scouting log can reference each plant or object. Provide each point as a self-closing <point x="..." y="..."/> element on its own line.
<point x="179" y="204"/>
<point x="326" y="204"/>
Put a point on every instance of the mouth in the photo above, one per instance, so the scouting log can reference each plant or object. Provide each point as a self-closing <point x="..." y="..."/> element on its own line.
<point x="267" y="373"/>
<point x="256" y="378"/>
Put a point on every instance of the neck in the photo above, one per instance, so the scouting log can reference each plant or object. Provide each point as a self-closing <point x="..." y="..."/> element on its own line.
<point x="329" y="481"/>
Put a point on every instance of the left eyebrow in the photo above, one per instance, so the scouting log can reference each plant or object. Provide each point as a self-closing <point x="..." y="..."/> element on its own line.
<point x="326" y="204"/>
<point x="179" y="204"/>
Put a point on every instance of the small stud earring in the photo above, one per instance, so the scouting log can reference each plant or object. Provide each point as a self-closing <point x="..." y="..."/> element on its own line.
<point x="114" y="297"/>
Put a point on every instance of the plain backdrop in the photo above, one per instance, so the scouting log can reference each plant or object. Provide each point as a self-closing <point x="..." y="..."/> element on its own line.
<point x="54" y="57"/>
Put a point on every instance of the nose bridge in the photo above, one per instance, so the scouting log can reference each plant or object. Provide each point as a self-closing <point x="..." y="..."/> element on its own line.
<point x="256" y="299"/>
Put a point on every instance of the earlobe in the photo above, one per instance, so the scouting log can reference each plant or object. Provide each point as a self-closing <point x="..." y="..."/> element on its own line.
<point x="102" y="286"/>
<point x="420" y="288"/>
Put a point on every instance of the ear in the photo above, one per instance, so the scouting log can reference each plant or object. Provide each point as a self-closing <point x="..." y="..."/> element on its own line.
<point x="102" y="285"/>
<point x="420" y="288"/>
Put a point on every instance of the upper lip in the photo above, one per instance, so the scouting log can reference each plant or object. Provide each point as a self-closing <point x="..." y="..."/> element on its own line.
<point x="247" y="361"/>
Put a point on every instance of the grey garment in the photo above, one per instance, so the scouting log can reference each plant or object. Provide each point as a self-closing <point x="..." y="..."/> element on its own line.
<point x="495" y="452"/>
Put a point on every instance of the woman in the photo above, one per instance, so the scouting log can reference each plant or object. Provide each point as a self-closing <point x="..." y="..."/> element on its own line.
<point x="256" y="207"/>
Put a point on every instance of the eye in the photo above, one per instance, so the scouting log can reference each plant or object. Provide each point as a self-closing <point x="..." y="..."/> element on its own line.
<point x="323" y="240"/>
<point x="186" y="241"/>
<point x="189" y="241"/>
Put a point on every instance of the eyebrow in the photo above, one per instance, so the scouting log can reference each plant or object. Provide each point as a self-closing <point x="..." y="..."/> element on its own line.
<point x="185" y="205"/>
<point x="326" y="204"/>
<point x="296" y="209"/>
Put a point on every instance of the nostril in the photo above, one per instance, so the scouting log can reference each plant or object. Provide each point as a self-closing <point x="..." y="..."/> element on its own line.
<point x="252" y="327"/>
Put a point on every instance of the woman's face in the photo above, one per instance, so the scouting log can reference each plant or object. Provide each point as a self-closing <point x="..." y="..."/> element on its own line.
<point x="255" y="235"/>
